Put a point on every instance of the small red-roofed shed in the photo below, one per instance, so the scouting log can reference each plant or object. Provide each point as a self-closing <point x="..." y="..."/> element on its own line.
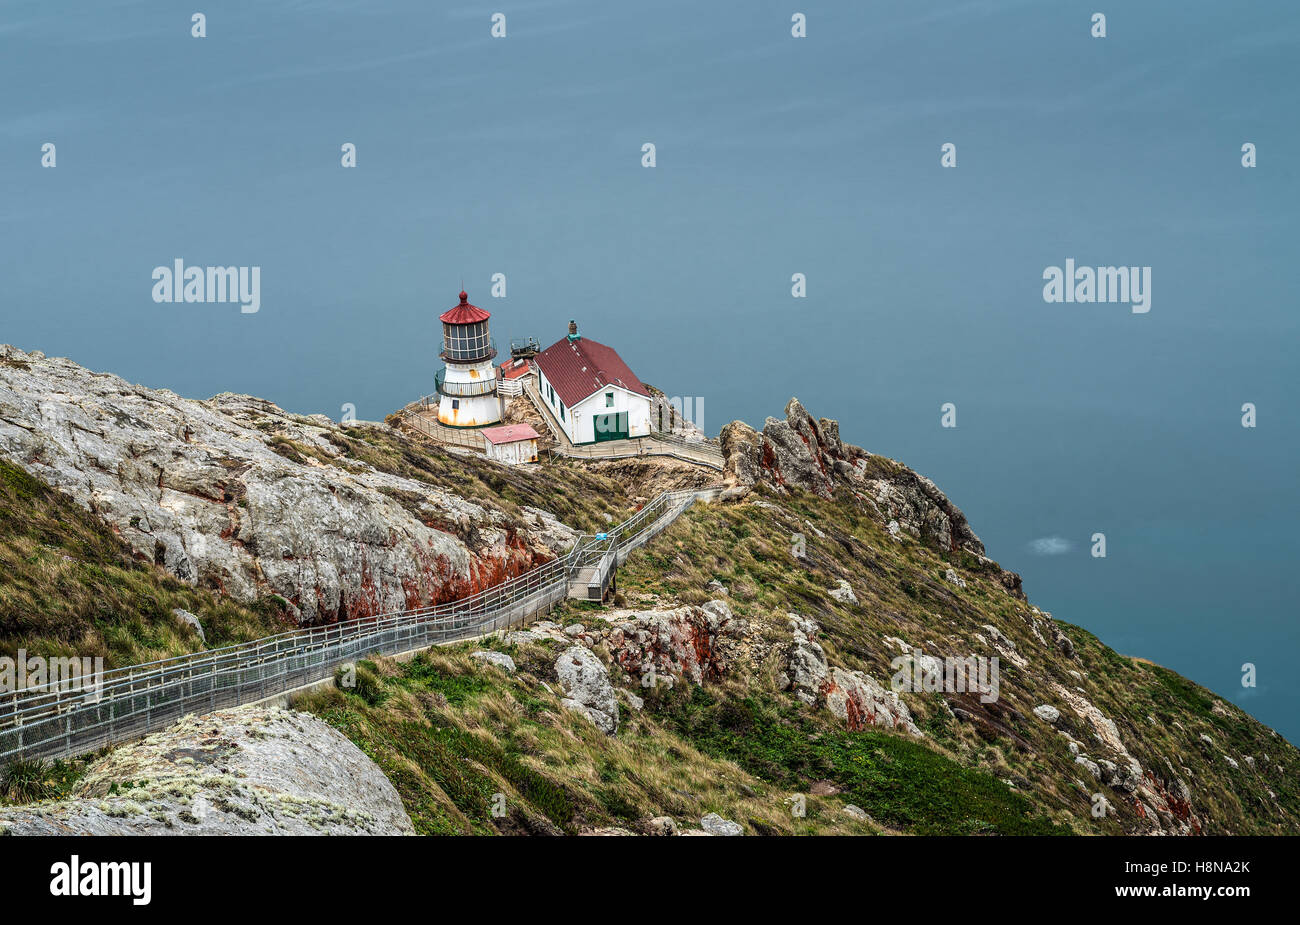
<point x="512" y="444"/>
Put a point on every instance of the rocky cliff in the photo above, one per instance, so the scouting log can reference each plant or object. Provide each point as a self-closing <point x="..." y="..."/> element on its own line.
<point x="804" y="454"/>
<point x="236" y="495"/>
<point x="250" y="771"/>
<point x="793" y="645"/>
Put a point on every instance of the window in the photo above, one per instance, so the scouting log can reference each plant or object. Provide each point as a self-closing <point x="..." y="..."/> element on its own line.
<point x="455" y="404"/>
<point x="561" y="411"/>
<point x="609" y="399"/>
<point x="466" y="341"/>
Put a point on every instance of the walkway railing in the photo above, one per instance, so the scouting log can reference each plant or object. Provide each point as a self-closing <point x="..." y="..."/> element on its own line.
<point x="43" y="722"/>
<point x="658" y="444"/>
<point x="416" y="416"/>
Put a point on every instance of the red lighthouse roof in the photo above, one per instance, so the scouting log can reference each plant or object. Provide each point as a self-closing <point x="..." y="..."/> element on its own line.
<point x="464" y="313"/>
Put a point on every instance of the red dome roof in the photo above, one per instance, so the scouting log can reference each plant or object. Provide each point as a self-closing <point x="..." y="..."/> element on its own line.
<point x="464" y="313"/>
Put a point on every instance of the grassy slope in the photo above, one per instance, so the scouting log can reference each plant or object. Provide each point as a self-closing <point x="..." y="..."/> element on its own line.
<point x="578" y="497"/>
<point x="902" y="593"/>
<point x="451" y="733"/>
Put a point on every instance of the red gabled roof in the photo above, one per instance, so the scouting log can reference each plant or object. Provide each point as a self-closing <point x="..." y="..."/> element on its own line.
<point x="513" y="369"/>
<point x="510" y="433"/>
<point x="464" y="313"/>
<point x="576" y="369"/>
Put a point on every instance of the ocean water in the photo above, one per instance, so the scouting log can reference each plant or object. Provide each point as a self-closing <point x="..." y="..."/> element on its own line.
<point x="775" y="155"/>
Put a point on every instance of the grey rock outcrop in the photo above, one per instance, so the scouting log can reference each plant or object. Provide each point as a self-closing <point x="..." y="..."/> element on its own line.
<point x="235" y="494"/>
<point x="861" y="701"/>
<point x="800" y="452"/>
<point x="843" y="593"/>
<point x="247" y="771"/>
<point x="806" y="666"/>
<point x="500" y="659"/>
<point x="654" y="647"/>
<point x="662" y="826"/>
<point x="716" y="825"/>
<point x="1047" y="713"/>
<point x="853" y="696"/>
<point x="587" y="689"/>
<point x="190" y="620"/>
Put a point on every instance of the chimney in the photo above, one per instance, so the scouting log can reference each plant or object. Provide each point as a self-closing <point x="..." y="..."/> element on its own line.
<point x="573" y="330"/>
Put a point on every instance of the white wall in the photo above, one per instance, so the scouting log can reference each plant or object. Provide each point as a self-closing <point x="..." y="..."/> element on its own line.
<point x="579" y="421"/>
<point x="587" y="410"/>
<point x="514" y="454"/>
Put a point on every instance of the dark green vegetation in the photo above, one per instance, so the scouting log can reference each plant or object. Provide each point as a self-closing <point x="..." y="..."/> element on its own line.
<point x="31" y="781"/>
<point x="452" y="733"/>
<point x="72" y="587"/>
<point x="903" y="783"/>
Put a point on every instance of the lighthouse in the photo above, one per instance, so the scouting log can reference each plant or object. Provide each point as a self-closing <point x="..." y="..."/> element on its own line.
<point x="467" y="386"/>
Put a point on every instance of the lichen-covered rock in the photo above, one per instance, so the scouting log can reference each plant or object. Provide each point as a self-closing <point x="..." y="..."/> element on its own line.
<point x="662" y="826"/>
<point x="656" y="646"/>
<point x="190" y="620"/>
<point x="716" y="825"/>
<point x="741" y="452"/>
<point x="235" y="494"/>
<point x="500" y="659"/>
<point x="587" y="689"/>
<point x="843" y="593"/>
<point x="861" y="701"/>
<point x="800" y="452"/>
<point x="853" y="696"/>
<point x="806" y="665"/>
<point x="1047" y="713"/>
<point x="247" y="771"/>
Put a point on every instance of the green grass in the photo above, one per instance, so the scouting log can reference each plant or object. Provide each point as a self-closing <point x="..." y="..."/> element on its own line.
<point x="897" y="780"/>
<point x="902" y="593"/>
<point x="457" y="738"/>
<point x="72" y="587"/>
<point x="448" y="775"/>
<point x="25" y="780"/>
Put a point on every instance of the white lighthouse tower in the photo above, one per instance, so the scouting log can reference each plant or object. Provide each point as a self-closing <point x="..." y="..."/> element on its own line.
<point x="467" y="386"/>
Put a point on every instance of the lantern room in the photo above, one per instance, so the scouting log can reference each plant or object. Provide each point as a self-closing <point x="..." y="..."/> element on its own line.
<point x="465" y="337"/>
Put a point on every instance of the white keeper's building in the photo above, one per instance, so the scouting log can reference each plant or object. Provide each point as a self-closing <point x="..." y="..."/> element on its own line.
<point x="591" y="392"/>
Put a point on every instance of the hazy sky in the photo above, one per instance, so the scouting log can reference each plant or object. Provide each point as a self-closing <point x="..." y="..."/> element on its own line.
<point x="775" y="156"/>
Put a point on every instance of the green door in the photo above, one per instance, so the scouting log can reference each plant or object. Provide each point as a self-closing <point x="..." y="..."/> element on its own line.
<point x="610" y="426"/>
